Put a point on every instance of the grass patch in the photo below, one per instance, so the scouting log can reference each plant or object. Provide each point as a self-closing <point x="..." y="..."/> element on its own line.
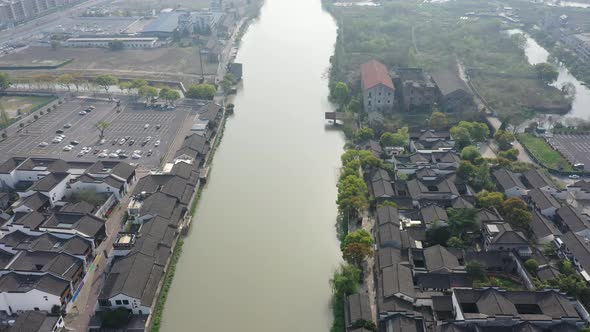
<point x="498" y="281"/>
<point x="26" y="104"/>
<point x="543" y="152"/>
<point x="159" y="310"/>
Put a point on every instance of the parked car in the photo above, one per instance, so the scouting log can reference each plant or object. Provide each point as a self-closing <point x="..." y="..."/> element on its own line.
<point x="74" y="142"/>
<point x="149" y="153"/>
<point x="101" y="155"/>
<point x="131" y="142"/>
<point x="91" y="107"/>
<point x="68" y="148"/>
<point x="158" y="126"/>
<point x="82" y="113"/>
<point x="43" y="144"/>
<point x="574" y="176"/>
<point x="135" y="156"/>
<point x="56" y="140"/>
<point x="146" y="126"/>
<point x="113" y="155"/>
<point x="123" y="156"/>
<point x="96" y="151"/>
<point x="122" y="141"/>
<point x="68" y="125"/>
<point x="102" y="141"/>
<point x="81" y="153"/>
<point x="157" y="143"/>
<point x="59" y="131"/>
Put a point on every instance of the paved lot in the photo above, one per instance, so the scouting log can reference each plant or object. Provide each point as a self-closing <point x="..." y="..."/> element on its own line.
<point x="575" y="148"/>
<point x="130" y="122"/>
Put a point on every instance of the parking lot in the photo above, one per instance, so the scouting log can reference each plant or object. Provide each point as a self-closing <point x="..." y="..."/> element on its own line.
<point x="147" y="131"/>
<point x="575" y="148"/>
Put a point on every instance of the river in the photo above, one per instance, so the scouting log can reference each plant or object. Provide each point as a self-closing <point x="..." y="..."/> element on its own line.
<point x="535" y="53"/>
<point x="263" y="244"/>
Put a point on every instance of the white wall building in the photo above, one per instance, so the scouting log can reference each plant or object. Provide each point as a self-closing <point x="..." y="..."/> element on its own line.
<point x="132" y="42"/>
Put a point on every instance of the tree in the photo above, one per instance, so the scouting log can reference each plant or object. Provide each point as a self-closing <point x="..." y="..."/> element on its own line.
<point x="4" y="81"/>
<point x="476" y="271"/>
<point x="341" y="94"/>
<point x="470" y="153"/>
<point x="116" y="45"/>
<point x="126" y="85"/>
<point x="466" y="170"/>
<point x="531" y="265"/>
<point x="438" y="233"/>
<point x="115" y="319"/>
<point x="489" y="199"/>
<point x="346" y="280"/>
<point x="510" y="154"/>
<point x="55" y="44"/>
<point x="461" y="136"/>
<point x="88" y="196"/>
<point x="106" y="81"/>
<point x="354" y="105"/>
<point x="173" y="95"/>
<point x="101" y="126"/>
<point x="569" y="90"/>
<point x="399" y="138"/>
<point x="478" y="131"/>
<point x="546" y="72"/>
<point x="138" y="83"/>
<point x="65" y="80"/>
<point x="364" y="134"/>
<point x="455" y="242"/>
<point x="164" y="93"/>
<point x="516" y="213"/>
<point x="355" y="253"/>
<point x="352" y="194"/>
<point x="462" y="222"/>
<point x="228" y="81"/>
<point x="359" y="236"/>
<point x="504" y="139"/>
<point x="201" y="91"/>
<point x="438" y="121"/>
<point x="148" y="92"/>
<point x="566" y="267"/>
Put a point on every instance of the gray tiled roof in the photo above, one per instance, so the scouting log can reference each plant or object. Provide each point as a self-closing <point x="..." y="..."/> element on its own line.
<point x="507" y="180"/>
<point x="387" y="214"/>
<point x="572" y="218"/>
<point x="398" y="279"/>
<point x="48" y="182"/>
<point x="358" y="308"/>
<point x="439" y="258"/>
<point x="543" y="227"/>
<point x="17" y="283"/>
<point x="537" y="179"/>
<point x="35" y="201"/>
<point x="34" y="321"/>
<point x="59" y="264"/>
<point x="543" y="200"/>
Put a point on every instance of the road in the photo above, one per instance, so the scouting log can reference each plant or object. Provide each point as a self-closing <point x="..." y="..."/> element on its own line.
<point x="83" y="308"/>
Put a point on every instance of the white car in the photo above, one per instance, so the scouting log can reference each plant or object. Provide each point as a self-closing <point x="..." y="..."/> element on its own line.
<point x="137" y="152"/>
<point x="67" y="148"/>
<point x="574" y="176"/>
<point x="68" y="125"/>
<point x="62" y="136"/>
<point x="81" y="153"/>
<point x="118" y="151"/>
<point x="56" y="140"/>
<point x="43" y="144"/>
<point x="146" y="126"/>
<point x="102" y="141"/>
<point x="113" y="155"/>
<point x="136" y="156"/>
<point x="122" y="141"/>
<point x="157" y="143"/>
<point x="101" y="155"/>
<point x="82" y="113"/>
<point x="86" y="149"/>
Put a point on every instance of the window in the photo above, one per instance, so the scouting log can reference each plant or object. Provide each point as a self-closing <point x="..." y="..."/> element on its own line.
<point x="369" y="95"/>
<point x="104" y="303"/>
<point x="369" y="103"/>
<point x="380" y="93"/>
<point x="118" y="302"/>
<point x="45" y="297"/>
<point x="125" y="302"/>
<point x="36" y="309"/>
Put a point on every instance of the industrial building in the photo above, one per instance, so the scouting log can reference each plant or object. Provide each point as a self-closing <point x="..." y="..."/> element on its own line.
<point x="142" y="42"/>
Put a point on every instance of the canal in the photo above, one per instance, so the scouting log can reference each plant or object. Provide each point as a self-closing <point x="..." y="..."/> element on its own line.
<point x="263" y="245"/>
<point x="535" y="53"/>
